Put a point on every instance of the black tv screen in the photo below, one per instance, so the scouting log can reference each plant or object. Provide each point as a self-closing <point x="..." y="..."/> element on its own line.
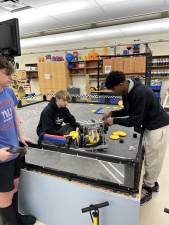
<point x="9" y="38"/>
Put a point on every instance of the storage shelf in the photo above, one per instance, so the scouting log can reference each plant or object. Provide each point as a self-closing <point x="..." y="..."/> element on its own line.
<point x="160" y="67"/>
<point x="85" y="68"/>
<point x="95" y="74"/>
<point x="78" y="74"/>
<point x="160" y="56"/>
<point x="135" y="74"/>
<point x="77" y="68"/>
<point x="160" y="77"/>
<point x="93" y="67"/>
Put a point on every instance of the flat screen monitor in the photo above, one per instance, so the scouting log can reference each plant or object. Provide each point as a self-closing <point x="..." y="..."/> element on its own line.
<point x="10" y="38"/>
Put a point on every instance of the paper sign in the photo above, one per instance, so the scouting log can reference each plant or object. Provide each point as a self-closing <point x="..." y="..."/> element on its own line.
<point x="47" y="76"/>
<point x="107" y="69"/>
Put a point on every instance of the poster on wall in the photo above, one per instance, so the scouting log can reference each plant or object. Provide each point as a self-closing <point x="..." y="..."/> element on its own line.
<point x="107" y="69"/>
<point x="47" y="76"/>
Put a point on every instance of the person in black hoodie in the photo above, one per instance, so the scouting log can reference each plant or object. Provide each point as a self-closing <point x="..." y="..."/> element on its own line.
<point x="54" y="114"/>
<point x="142" y="110"/>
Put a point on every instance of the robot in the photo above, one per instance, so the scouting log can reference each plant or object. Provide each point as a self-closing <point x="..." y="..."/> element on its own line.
<point x="89" y="136"/>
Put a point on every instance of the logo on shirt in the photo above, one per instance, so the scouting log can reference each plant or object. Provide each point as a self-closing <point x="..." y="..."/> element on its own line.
<point x="59" y="121"/>
<point x="7" y="114"/>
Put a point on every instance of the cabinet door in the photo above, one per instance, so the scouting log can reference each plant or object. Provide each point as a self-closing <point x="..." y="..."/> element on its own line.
<point x="140" y="64"/>
<point x="118" y="64"/>
<point x="45" y="75"/>
<point x="129" y="65"/>
<point x="60" y="78"/>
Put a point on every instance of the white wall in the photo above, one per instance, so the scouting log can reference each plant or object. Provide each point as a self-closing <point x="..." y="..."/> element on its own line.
<point x="32" y="55"/>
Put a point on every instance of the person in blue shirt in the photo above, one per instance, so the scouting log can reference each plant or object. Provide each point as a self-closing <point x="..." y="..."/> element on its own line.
<point x="10" y="164"/>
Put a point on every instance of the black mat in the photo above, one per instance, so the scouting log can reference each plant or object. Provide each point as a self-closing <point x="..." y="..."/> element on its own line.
<point x="82" y="111"/>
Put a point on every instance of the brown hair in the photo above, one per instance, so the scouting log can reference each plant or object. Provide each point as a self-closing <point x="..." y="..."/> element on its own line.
<point x="5" y="64"/>
<point x="63" y="95"/>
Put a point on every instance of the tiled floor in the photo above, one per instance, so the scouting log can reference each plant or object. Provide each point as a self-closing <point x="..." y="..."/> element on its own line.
<point x="153" y="212"/>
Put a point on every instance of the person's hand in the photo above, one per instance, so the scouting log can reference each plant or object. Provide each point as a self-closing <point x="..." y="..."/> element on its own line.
<point x="4" y="154"/>
<point x="109" y="121"/>
<point x="23" y="140"/>
<point x="106" y="115"/>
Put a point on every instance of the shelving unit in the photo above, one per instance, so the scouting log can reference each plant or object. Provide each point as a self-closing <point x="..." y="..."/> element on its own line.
<point x="20" y="83"/>
<point x="84" y="67"/>
<point x="31" y="70"/>
<point x="88" y="69"/>
<point x="160" y="67"/>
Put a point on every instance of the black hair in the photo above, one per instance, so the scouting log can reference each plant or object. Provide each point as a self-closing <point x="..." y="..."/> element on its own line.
<point x="114" y="78"/>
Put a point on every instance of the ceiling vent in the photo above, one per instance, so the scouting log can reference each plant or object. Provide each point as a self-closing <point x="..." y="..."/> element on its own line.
<point x="13" y="5"/>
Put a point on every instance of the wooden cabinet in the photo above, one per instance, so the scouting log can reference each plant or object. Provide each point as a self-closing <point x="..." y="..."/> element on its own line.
<point x="53" y="76"/>
<point x="129" y="65"/>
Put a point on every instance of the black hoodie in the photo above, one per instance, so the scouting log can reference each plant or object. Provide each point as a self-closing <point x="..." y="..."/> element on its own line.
<point x="142" y="108"/>
<point x="52" y="117"/>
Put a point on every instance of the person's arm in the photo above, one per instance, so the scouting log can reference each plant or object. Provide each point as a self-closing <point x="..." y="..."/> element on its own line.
<point x="119" y="113"/>
<point x="136" y="112"/>
<point x="21" y="136"/>
<point x="69" y="118"/>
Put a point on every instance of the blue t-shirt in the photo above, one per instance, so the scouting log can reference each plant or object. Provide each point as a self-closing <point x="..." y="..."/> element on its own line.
<point x="8" y="129"/>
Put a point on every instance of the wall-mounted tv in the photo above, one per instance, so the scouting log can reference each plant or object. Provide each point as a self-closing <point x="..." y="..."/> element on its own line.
<point x="10" y="38"/>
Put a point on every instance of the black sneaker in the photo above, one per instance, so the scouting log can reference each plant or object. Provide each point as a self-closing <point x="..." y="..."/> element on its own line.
<point x="146" y="195"/>
<point x="26" y="219"/>
<point x="155" y="188"/>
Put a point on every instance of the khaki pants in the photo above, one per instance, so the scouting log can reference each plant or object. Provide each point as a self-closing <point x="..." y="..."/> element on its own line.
<point x="156" y="142"/>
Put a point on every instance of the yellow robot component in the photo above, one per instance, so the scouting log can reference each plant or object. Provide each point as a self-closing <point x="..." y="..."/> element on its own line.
<point x="74" y="134"/>
<point x="120" y="103"/>
<point x="94" y="137"/>
<point x="121" y="133"/>
<point x="107" y="107"/>
<point x="114" y="137"/>
<point x="93" y="110"/>
<point x="115" y="133"/>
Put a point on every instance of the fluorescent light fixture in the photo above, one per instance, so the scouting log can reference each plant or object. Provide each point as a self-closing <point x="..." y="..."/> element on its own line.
<point x="104" y="32"/>
<point x="64" y="7"/>
<point x="165" y="25"/>
<point x="51" y="39"/>
<point x="142" y="27"/>
<point x="132" y="29"/>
